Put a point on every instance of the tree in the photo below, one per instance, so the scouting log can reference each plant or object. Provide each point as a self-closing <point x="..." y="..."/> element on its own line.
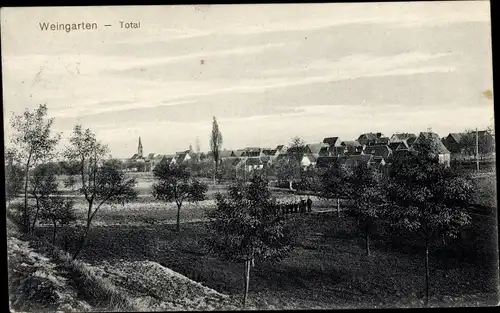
<point x="286" y="170"/>
<point x="485" y="142"/>
<point x="32" y="135"/>
<point x="428" y="198"/>
<point x="215" y="144"/>
<point x="246" y="225"/>
<point x="336" y="182"/>
<point x="100" y="182"/>
<point x="59" y="211"/>
<point x="174" y="183"/>
<point x="14" y="177"/>
<point x="369" y="196"/>
<point x="43" y="186"/>
<point x="197" y="145"/>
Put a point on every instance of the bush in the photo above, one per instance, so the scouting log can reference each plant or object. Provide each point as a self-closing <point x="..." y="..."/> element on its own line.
<point x="15" y="213"/>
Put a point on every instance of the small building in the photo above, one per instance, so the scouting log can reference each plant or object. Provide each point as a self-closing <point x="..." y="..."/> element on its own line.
<point x="350" y="147"/>
<point x="372" y="139"/>
<point x="452" y="142"/>
<point x="381" y="153"/>
<point x="308" y="160"/>
<point x="315" y="148"/>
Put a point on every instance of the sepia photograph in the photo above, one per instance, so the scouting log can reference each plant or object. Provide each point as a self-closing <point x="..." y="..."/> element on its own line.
<point x="249" y="157"/>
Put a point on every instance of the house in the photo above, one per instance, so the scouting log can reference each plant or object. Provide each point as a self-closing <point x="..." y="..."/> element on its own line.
<point x="226" y="154"/>
<point x="381" y="153"/>
<point x="182" y="157"/>
<point x="315" y="148"/>
<point x="308" y="160"/>
<point x="252" y="152"/>
<point x="324" y="162"/>
<point x="443" y="154"/>
<point x="239" y="153"/>
<point x="378" y="161"/>
<point x="252" y="163"/>
<point x="222" y="154"/>
<point x="334" y="146"/>
<point x="404" y="145"/>
<point x="332" y="141"/>
<point x="453" y="142"/>
<point x="399" y="137"/>
<point x="394" y="145"/>
<point x="372" y="138"/>
<point x="324" y="151"/>
<point x="353" y="160"/>
<point x="351" y="147"/>
<point x="280" y="149"/>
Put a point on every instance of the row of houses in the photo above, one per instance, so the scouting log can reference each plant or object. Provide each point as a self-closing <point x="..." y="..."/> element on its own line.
<point x="374" y="148"/>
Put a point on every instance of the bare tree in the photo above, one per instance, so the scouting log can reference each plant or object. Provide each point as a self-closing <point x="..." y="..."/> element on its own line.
<point x="34" y="142"/>
<point x="101" y="182"/>
<point x="215" y="144"/>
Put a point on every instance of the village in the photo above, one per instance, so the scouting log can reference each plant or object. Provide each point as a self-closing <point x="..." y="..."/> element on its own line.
<point x="374" y="148"/>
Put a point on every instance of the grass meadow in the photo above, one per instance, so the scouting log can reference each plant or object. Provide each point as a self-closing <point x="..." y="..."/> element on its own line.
<point x="328" y="267"/>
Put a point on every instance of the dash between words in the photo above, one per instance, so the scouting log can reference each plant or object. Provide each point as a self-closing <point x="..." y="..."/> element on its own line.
<point x="68" y="27"/>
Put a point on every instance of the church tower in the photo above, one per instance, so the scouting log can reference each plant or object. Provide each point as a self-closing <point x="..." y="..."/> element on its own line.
<point x="139" y="148"/>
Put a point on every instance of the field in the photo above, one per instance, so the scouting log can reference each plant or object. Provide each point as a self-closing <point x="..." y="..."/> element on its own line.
<point x="328" y="267"/>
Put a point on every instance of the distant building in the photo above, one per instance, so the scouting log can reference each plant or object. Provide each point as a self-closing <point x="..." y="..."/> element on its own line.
<point x="399" y="137"/>
<point x="372" y="139"/>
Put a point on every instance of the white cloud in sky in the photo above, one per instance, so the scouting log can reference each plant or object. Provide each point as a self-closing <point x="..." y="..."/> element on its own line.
<point x="260" y="70"/>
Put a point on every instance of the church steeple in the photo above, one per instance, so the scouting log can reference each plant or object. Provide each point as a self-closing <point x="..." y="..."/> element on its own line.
<point x="139" y="148"/>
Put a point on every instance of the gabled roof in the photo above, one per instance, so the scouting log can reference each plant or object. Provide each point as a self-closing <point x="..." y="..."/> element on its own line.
<point x="382" y="140"/>
<point x="351" y="143"/>
<point x="369" y="136"/>
<point x="402" y="136"/>
<point x="325" y="151"/>
<point x="251" y="153"/>
<point x="269" y="151"/>
<point x="393" y="145"/>
<point x="457" y="137"/>
<point x="379" y="151"/>
<point x="301" y="149"/>
<point x="252" y="149"/>
<point x="239" y="152"/>
<point x="226" y="153"/>
<point x="352" y="160"/>
<point x="325" y="161"/>
<point x="410" y="141"/>
<point x="314" y="148"/>
<point x="151" y="156"/>
<point x="403" y="145"/>
<point x="230" y="162"/>
<point x="134" y="157"/>
<point x="309" y="156"/>
<point x="253" y="161"/>
<point x="332" y="141"/>
<point x="180" y="156"/>
<point x="282" y="156"/>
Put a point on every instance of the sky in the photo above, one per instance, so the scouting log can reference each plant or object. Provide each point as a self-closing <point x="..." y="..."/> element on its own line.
<point x="266" y="72"/>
